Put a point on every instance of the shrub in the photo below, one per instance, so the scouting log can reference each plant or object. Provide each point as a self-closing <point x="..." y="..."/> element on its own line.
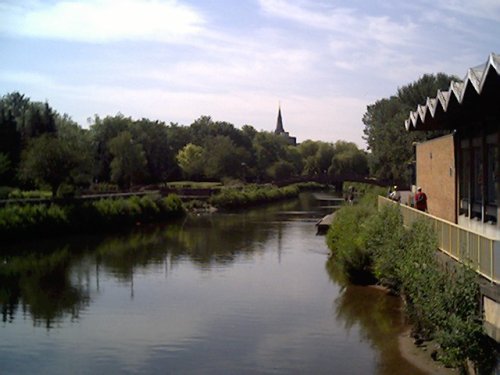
<point x="347" y="242"/>
<point x="5" y="191"/>
<point x="102" y="214"/>
<point x="251" y="195"/>
<point x="441" y="301"/>
<point x="172" y="204"/>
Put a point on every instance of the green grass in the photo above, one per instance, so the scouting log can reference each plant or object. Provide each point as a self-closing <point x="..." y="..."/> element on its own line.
<point x="193" y="185"/>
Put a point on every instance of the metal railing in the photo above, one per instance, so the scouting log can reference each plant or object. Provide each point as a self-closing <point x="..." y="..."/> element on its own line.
<point x="480" y="252"/>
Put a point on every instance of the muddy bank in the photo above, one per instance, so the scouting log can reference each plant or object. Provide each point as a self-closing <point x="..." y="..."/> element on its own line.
<point x="420" y="357"/>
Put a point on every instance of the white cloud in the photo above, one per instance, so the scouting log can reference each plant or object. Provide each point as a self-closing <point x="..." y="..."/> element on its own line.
<point x="102" y="20"/>
<point x="487" y="9"/>
<point x="345" y="21"/>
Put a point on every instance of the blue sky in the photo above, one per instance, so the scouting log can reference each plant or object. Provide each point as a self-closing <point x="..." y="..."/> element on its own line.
<point x="237" y="60"/>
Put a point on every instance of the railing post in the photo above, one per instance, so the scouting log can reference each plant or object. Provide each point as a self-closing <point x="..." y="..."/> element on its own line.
<point x="491" y="262"/>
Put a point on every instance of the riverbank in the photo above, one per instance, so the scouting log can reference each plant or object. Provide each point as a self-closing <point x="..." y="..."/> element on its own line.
<point x="40" y="220"/>
<point x="420" y="357"/>
<point x="441" y="305"/>
<point x="252" y="195"/>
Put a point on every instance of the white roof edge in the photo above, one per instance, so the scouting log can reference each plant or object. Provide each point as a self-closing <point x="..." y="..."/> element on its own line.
<point x="476" y="76"/>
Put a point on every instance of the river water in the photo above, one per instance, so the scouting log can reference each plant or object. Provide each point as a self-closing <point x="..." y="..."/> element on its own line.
<point x="227" y="293"/>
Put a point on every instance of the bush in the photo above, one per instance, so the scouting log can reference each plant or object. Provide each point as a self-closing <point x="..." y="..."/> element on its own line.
<point x="252" y="195"/>
<point x="441" y="301"/>
<point x="5" y="191"/>
<point x="347" y="243"/>
<point x="31" y="194"/>
<point x="17" y="220"/>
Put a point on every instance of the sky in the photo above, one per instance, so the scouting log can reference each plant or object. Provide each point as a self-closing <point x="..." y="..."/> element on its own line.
<point x="322" y="61"/>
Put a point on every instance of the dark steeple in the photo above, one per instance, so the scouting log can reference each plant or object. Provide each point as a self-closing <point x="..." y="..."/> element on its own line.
<point x="279" y="123"/>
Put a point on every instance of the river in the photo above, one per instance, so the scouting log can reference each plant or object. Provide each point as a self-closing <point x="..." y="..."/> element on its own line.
<point x="226" y="293"/>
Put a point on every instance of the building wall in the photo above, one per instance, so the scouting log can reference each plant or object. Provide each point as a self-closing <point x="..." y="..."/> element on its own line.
<point x="436" y="176"/>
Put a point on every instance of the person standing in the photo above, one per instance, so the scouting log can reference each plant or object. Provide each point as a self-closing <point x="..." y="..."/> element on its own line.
<point x="420" y="200"/>
<point x="395" y="195"/>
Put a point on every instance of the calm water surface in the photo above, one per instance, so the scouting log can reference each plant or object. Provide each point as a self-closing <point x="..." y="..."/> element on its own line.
<point x="238" y="293"/>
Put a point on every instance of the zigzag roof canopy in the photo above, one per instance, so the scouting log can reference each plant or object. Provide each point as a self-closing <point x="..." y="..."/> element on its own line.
<point x="478" y="94"/>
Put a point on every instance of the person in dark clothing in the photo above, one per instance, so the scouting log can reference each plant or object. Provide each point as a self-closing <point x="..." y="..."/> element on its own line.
<point x="420" y="200"/>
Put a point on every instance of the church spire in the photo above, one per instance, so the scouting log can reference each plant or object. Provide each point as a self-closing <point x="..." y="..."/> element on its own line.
<point x="279" y="123"/>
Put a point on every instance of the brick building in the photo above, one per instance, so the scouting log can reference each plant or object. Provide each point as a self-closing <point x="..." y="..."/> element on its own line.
<point x="460" y="172"/>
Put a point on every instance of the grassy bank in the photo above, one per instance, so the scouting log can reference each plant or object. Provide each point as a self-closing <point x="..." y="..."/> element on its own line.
<point x="230" y="198"/>
<point x="368" y="245"/>
<point x="24" y="221"/>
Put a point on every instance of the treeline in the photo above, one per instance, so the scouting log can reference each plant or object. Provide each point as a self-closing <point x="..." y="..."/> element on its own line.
<point x="41" y="148"/>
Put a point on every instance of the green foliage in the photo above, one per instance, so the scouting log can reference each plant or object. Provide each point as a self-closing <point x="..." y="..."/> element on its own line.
<point x="384" y="239"/>
<point x="29" y="194"/>
<point x="5" y="191"/>
<point x="251" y="195"/>
<point x="441" y="301"/>
<point x="129" y="160"/>
<point x="347" y="242"/>
<point x="41" y="219"/>
<point x="348" y="159"/>
<point x="223" y="158"/>
<point x="5" y="164"/>
<point x="103" y="187"/>
<point x="281" y="170"/>
<point x="190" y="159"/>
<point x="268" y="148"/>
<point x="389" y="142"/>
<point x="49" y="161"/>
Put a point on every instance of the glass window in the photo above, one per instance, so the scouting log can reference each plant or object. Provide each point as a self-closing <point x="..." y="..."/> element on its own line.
<point x="465" y="174"/>
<point x="493" y="174"/>
<point x="477" y="175"/>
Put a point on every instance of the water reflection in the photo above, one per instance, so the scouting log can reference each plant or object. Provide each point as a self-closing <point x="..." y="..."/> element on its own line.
<point x="49" y="280"/>
<point x="224" y="293"/>
<point x="41" y="285"/>
<point x="380" y="317"/>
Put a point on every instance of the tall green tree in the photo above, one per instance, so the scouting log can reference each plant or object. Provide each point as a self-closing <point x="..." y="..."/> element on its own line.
<point x="223" y="158"/>
<point x="129" y="160"/>
<point x="269" y="148"/>
<point x="102" y="132"/>
<point x="348" y="159"/>
<point x="10" y="144"/>
<point x="153" y="136"/>
<point x="191" y="160"/>
<point x="49" y="161"/>
<point x="391" y="146"/>
<point x="79" y="139"/>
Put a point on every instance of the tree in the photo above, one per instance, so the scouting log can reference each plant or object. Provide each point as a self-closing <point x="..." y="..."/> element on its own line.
<point x="348" y="159"/>
<point x="281" y="170"/>
<point x="4" y="164"/>
<point x="10" y="143"/>
<point x="317" y="157"/>
<point x="390" y="144"/>
<point x="69" y="132"/>
<point x="129" y="160"/>
<point x="153" y="137"/>
<point x="191" y="159"/>
<point x="102" y="131"/>
<point x="223" y="158"/>
<point x="48" y="161"/>
<point x="269" y="148"/>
